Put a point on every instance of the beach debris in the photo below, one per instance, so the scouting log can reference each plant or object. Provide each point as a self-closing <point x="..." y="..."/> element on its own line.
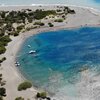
<point x="32" y="51"/>
<point x="17" y="63"/>
<point x="29" y="46"/>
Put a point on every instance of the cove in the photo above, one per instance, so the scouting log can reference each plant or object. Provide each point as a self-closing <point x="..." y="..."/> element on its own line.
<point x="59" y="57"/>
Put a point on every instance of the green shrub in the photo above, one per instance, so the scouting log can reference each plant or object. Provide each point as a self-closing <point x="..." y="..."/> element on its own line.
<point x="2" y="49"/>
<point x="5" y="38"/>
<point x="3" y="59"/>
<point x="30" y="19"/>
<point x="2" y="91"/>
<point x="2" y="83"/>
<point x="41" y="95"/>
<point x="14" y="33"/>
<point x="25" y="85"/>
<point x="19" y="98"/>
<point x="1" y="98"/>
<point x="19" y="28"/>
<point x="58" y="10"/>
<point x="1" y="33"/>
<point x="0" y="75"/>
<point x="3" y="42"/>
<point x="50" y="24"/>
<point x="59" y="20"/>
<point x="39" y="14"/>
<point x="39" y="23"/>
<point x="0" y="79"/>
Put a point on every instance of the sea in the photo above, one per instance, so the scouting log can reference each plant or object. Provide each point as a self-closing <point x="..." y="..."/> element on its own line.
<point x="64" y="63"/>
<point x="86" y="3"/>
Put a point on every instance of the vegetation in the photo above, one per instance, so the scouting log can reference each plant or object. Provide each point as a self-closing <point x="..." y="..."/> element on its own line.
<point x="3" y="42"/>
<point x="19" y="98"/>
<point x="2" y="92"/>
<point x="42" y="95"/>
<point x="40" y="14"/>
<point x="68" y="10"/>
<point x="59" y="20"/>
<point x="50" y="24"/>
<point x="3" y="59"/>
<point x="19" y="28"/>
<point x="2" y="49"/>
<point x="39" y="23"/>
<point x="14" y="33"/>
<point x="0" y="75"/>
<point x="0" y="78"/>
<point x="59" y="10"/>
<point x="25" y="85"/>
<point x="1" y="98"/>
<point x="21" y="19"/>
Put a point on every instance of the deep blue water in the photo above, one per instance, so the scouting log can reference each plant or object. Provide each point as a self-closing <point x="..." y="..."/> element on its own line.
<point x="97" y="1"/>
<point x="60" y="56"/>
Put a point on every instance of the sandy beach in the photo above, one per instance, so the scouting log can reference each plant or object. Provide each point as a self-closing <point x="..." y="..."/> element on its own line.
<point x="11" y="74"/>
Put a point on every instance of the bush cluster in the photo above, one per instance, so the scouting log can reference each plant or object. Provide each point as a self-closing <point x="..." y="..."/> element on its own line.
<point x="25" y="85"/>
<point x="50" y="24"/>
<point x="39" y="23"/>
<point x="1" y="98"/>
<point x="41" y="95"/>
<point x="3" y="42"/>
<point x="19" y="98"/>
<point x="3" y="59"/>
<point x="40" y="14"/>
<point x="59" y="20"/>
<point x="2" y="92"/>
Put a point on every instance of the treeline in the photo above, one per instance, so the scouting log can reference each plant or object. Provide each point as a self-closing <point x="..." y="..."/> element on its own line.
<point x="20" y="16"/>
<point x="3" y="42"/>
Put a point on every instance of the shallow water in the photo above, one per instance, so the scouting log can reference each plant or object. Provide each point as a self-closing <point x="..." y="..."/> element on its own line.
<point x="59" y="58"/>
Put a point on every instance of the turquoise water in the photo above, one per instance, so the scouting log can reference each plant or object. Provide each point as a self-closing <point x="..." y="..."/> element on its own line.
<point x="89" y="3"/>
<point x="59" y="57"/>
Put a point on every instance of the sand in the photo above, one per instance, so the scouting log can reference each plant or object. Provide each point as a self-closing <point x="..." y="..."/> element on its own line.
<point x="83" y="17"/>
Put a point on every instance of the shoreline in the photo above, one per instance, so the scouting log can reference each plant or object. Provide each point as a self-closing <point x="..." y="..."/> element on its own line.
<point x="91" y="9"/>
<point x="13" y="47"/>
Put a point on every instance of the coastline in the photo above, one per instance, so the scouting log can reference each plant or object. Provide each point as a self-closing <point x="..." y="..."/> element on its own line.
<point x="2" y="6"/>
<point x="8" y="66"/>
